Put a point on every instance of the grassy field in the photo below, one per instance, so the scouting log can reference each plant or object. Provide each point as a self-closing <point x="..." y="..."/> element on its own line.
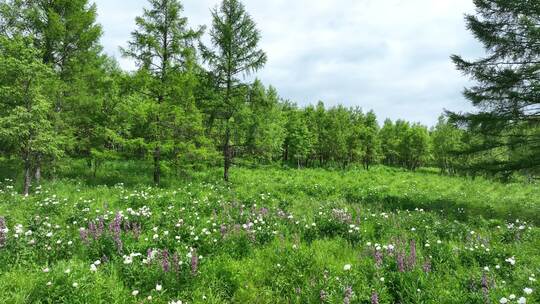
<point x="271" y="236"/>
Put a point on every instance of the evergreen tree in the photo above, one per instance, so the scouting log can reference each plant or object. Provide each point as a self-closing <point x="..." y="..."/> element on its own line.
<point x="234" y="53"/>
<point x="162" y="47"/>
<point x="507" y="85"/>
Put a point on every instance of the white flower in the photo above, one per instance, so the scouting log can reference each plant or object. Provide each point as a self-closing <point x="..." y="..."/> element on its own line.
<point x="527" y="290"/>
<point x="75" y="285"/>
<point x="347" y="267"/>
<point x="503" y="300"/>
<point x="511" y="260"/>
<point x="522" y="300"/>
<point x="135" y="293"/>
<point x="159" y="287"/>
<point x="93" y="268"/>
<point x="67" y="270"/>
<point x="382" y="279"/>
<point x="46" y="270"/>
<point x="175" y="302"/>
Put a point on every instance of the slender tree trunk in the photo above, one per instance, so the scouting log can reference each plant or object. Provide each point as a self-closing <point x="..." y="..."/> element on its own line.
<point x="37" y="173"/>
<point x="227" y="153"/>
<point x="157" y="167"/>
<point x="27" y="176"/>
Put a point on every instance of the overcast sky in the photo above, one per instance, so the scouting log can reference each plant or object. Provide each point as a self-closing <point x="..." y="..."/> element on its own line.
<point x="391" y="56"/>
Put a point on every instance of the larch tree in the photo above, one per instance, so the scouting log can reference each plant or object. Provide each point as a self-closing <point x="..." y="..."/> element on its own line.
<point x="507" y="89"/>
<point x="163" y="48"/>
<point x="234" y="53"/>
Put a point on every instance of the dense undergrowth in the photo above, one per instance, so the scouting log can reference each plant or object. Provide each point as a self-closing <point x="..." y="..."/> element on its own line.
<point x="271" y="236"/>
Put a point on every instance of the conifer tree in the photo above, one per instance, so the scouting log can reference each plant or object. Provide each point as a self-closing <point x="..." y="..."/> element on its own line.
<point x="162" y="47"/>
<point x="506" y="92"/>
<point x="233" y="54"/>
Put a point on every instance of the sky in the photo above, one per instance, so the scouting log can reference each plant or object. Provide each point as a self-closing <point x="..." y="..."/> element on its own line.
<point x="390" y="56"/>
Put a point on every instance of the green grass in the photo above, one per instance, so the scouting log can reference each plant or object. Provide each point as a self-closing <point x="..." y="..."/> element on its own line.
<point x="271" y="236"/>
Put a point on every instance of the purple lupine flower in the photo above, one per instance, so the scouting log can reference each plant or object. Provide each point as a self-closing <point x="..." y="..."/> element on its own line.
<point x="374" y="298"/>
<point x="323" y="296"/>
<point x="101" y="226"/>
<point x="127" y="225"/>
<point x="485" y="286"/>
<point x="176" y="262"/>
<point x="412" y="255"/>
<point x="93" y="230"/>
<point x="149" y="255"/>
<point x="3" y="233"/>
<point x="165" y="260"/>
<point x="115" y="229"/>
<point x="427" y="266"/>
<point x="194" y="261"/>
<point x="348" y="295"/>
<point x="223" y="230"/>
<point x="378" y="258"/>
<point x="400" y="259"/>
<point x="83" y="233"/>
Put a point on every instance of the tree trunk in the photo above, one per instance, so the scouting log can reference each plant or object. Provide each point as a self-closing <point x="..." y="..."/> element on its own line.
<point x="37" y="173"/>
<point x="27" y="177"/>
<point x="227" y="153"/>
<point x="157" y="167"/>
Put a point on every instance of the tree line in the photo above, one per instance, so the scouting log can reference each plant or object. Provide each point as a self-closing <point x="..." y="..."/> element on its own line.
<point x="190" y="105"/>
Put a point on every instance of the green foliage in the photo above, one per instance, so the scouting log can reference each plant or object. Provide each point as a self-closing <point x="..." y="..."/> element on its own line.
<point x="26" y="112"/>
<point x="338" y="232"/>
<point x="505" y="92"/>
<point x="234" y="53"/>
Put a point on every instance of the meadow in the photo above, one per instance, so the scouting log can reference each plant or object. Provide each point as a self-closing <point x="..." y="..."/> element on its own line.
<point x="271" y="235"/>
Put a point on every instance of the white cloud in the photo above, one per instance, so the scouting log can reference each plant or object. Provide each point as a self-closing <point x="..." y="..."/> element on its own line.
<point x="388" y="55"/>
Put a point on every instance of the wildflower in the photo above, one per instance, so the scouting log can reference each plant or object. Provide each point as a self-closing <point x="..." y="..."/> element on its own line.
<point x="378" y="258"/>
<point x="527" y="290"/>
<point x="194" y="261"/>
<point x="75" y="284"/>
<point x="49" y="283"/>
<point x="512" y="297"/>
<point x="159" y="287"/>
<point x="348" y="295"/>
<point x="522" y="300"/>
<point x="427" y="266"/>
<point x="347" y="267"/>
<point x="511" y="260"/>
<point x="67" y="271"/>
<point x="135" y="293"/>
<point x="46" y="270"/>
<point x="374" y="298"/>
<point x="412" y="255"/>
<point x="165" y="261"/>
<point x="503" y="300"/>
<point x="323" y="296"/>
<point x="93" y="268"/>
<point x="401" y="262"/>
